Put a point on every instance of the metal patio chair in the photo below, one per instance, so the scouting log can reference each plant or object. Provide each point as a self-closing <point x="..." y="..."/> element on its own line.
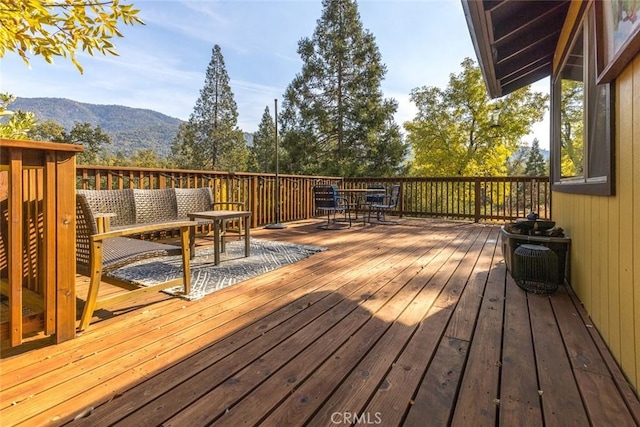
<point x="389" y="203"/>
<point x="327" y="199"/>
<point x="375" y="196"/>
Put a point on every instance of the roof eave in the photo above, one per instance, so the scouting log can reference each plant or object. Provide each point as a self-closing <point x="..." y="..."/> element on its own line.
<point x="481" y="39"/>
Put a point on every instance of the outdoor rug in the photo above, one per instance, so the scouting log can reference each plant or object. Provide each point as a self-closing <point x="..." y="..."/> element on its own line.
<point x="206" y="277"/>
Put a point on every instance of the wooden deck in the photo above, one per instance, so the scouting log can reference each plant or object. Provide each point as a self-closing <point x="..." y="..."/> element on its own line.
<point x="412" y="324"/>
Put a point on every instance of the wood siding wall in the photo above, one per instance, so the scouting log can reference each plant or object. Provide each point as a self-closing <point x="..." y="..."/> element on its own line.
<point x="605" y="231"/>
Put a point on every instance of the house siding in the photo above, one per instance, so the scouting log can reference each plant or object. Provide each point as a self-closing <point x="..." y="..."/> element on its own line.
<point x="605" y="232"/>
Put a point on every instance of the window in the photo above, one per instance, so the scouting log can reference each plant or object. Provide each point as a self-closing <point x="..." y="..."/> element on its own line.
<point x="582" y="158"/>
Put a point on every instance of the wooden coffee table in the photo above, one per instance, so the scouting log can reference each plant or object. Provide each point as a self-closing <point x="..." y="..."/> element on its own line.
<point x="218" y="216"/>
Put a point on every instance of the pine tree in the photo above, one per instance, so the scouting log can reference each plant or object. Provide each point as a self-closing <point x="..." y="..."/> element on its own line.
<point x="335" y="120"/>
<point x="182" y="148"/>
<point x="211" y="138"/>
<point x="263" y="150"/>
<point x="536" y="165"/>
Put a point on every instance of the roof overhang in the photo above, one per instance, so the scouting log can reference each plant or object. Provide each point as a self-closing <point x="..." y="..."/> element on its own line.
<point x="514" y="40"/>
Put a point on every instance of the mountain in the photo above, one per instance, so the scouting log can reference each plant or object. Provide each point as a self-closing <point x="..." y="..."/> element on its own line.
<point x="545" y="153"/>
<point x="129" y="128"/>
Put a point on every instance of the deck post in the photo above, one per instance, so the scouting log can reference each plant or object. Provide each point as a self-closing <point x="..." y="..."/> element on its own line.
<point x="65" y="246"/>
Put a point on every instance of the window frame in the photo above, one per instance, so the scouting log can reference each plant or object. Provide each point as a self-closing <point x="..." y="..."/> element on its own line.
<point x="586" y="184"/>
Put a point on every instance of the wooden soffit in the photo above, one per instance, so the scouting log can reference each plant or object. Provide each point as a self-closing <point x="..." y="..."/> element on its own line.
<point x="514" y="40"/>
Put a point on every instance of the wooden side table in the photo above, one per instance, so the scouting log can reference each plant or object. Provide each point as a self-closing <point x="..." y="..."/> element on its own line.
<point x="218" y="216"/>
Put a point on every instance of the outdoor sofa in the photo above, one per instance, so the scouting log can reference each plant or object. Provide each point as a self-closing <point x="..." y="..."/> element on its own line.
<point x="106" y="220"/>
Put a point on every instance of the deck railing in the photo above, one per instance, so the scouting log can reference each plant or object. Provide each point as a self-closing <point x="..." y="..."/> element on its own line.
<point x="256" y="191"/>
<point x="471" y="198"/>
<point x="37" y="239"/>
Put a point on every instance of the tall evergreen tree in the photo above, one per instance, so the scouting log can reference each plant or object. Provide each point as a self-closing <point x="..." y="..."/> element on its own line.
<point x="182" y="148"/>
<point x="211" y="138"/>
<point x="264" y="150"/>
<point x="335" y="120"/>
<point x="536" y="165"/>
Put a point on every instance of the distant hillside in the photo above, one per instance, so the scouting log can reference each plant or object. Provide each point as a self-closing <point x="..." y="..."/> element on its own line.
<point x="129" y="128"/>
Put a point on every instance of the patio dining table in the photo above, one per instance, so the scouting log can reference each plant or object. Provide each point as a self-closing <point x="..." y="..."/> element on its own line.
<point x="357" y="196"/>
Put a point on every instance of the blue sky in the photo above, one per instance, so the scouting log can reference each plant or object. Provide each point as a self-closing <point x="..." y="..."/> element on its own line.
<point x="162" y="65"/>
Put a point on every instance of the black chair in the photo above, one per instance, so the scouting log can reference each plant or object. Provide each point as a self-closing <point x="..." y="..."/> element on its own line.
<point x="390" y="203"/>
<point x="375" y="196"/>
<point x="327" y="199"/>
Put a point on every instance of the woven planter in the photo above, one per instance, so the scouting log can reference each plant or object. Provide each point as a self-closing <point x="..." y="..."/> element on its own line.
<point x="534" y="269"/>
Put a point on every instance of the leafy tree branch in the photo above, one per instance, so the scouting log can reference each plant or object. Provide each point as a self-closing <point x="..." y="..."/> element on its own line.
<point x="61" y="28"/>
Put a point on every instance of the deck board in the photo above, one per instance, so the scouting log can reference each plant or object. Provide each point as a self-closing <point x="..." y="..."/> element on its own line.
<point x="401" y="325"/>
<point x="339" y="331"/>
<point x="560" y="395"/>
<point x="520" y="398"/>
<point x="478" y="398"/>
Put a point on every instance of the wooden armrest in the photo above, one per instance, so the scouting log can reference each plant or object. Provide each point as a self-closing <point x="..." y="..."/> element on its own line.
<point x="142" y="228"/>
<point x="104" y="215"/>
<point x="103" y="221"/>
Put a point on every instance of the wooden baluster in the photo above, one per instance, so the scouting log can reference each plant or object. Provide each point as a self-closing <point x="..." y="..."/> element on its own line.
<point x="15" y="245"/>
<point x="49" y="253"/>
